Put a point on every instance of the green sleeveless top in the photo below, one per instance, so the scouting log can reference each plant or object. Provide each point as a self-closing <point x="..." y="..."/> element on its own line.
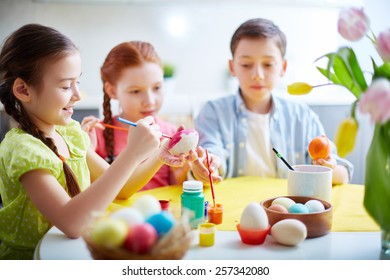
<point x="21" y="224"/>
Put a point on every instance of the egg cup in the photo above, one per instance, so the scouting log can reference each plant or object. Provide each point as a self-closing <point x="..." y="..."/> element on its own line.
<point x="164" y="204"/>
<point x="253" y="236"/>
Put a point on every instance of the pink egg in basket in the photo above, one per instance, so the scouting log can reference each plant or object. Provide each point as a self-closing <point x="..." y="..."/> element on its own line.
<point x="183" y="141"/>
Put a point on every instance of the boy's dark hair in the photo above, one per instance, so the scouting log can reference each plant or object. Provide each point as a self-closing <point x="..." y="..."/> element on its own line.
<point x="259" y="28"/>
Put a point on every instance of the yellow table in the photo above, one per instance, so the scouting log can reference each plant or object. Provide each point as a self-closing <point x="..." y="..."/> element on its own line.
<point x="347" y="200"/>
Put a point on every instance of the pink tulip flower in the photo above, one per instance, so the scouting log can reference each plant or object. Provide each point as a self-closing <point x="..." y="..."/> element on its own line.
<point x="383" y="42"/>
<point x="353" y="24"/>
<point x="376" y="101"/>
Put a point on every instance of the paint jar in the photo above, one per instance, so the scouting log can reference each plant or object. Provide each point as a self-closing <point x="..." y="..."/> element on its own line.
<point x="164" y="204"/>
<point x="192" y="201"/>
<point x="206" y="234"/>
<point x="206" y="207"/>
<point x="215" y="213"/>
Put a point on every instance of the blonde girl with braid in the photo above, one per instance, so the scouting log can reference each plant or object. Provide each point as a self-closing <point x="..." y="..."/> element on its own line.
<point x="132" y="73"/>
<point x="48" y="173"/>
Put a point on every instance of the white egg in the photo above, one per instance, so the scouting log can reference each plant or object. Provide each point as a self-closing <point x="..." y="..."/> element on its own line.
<point x="289" y="232"/>
<point x="314" y="206"/>
<point x="131" y="216"/>
<point x="148" y="205"/>
<point x="254" y="217"/>
<point x="284" y="201"/>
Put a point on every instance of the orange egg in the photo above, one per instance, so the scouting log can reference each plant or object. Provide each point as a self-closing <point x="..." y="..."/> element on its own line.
<point x="319" y="147"/>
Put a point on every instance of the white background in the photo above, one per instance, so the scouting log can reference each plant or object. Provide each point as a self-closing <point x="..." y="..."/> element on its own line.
<point x="199" y="44"/>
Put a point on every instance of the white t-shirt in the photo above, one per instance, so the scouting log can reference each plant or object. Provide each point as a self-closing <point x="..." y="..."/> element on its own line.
<point x="260" y="157"/>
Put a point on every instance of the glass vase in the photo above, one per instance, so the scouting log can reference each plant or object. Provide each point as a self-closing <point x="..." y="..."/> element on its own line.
<point x="377" y="183"/>
<point x="385" y="242"/>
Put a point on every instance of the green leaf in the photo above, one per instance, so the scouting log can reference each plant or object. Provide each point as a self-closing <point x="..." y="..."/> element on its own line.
<point x="382" y="71"/>
<point x="169" y="70"/>
<point x="344" y="75"/>
<point x="346" y="71"/>
<point x="349" y="57"/>
<point x="329" y="75"/>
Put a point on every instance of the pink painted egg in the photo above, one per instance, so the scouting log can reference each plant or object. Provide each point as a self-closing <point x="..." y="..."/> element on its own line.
<point x="278" y="208"/>
<point x="183" y="141"/>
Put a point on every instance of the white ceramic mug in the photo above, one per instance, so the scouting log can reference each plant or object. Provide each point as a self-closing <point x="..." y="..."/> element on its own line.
<point x="310" y="180"/>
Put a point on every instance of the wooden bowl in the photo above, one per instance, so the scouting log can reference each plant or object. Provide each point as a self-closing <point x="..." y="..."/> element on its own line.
<point x="317" y="224"/>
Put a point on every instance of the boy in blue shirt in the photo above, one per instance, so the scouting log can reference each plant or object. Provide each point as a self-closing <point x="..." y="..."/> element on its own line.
<point x="242" y="129"/>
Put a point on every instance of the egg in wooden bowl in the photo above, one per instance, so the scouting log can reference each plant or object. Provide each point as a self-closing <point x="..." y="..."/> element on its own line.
<point x="316" y="214"/>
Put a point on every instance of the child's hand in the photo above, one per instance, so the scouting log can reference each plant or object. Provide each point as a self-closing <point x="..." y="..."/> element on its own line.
<point x="199" y="166"/>
<point x="329" y="162"/>
<point x="88" y="124"/>
<point x="145" y="138"/>
<point x="167" y="158"/>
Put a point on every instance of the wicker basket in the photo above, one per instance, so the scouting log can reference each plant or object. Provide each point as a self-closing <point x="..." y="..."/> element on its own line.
<point x="171" y="246"/>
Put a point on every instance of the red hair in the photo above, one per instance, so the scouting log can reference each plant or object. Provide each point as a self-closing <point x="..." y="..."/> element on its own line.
<point x="122" y="56"/>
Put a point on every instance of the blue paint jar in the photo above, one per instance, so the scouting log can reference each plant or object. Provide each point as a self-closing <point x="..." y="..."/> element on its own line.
<point x="206" y="207"/>
<point x="192" y="201"/>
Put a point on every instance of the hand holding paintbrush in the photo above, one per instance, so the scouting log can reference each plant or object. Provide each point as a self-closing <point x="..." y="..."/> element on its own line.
<point x="214" y="212"/>
<point x="210" y="177"/>
<point x="201" y="170"/>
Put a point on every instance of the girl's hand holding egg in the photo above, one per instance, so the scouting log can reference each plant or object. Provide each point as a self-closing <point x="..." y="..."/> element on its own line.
<point x="167" y="158"/>
<point x="183" y="146"/>
<point x="183" y="141"/>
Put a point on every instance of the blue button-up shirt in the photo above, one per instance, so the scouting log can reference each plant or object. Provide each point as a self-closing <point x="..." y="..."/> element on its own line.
<point x="223" y="129"/>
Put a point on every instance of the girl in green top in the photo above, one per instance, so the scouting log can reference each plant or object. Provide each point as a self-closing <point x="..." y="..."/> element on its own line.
<point x="48" y="173"/>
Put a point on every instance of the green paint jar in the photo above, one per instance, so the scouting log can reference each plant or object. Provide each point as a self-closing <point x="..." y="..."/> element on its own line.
<point x="192" y="202"/>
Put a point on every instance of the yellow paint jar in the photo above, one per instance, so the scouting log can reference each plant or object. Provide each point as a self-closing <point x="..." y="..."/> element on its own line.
<point x="206" y="234"/>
